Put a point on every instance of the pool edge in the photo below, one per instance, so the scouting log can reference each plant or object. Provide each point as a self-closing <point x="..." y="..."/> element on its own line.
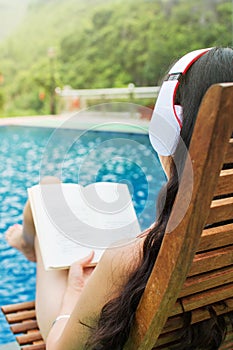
<point x="10" y="346"/>
<point x="74" y="121"/>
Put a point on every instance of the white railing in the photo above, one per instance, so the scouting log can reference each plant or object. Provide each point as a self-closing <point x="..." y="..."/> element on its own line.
<point x="80" y="97"/>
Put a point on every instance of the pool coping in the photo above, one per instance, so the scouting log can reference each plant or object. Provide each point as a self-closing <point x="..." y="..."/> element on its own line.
<point x="82" y="121"/>
<point x="10" y="346"/>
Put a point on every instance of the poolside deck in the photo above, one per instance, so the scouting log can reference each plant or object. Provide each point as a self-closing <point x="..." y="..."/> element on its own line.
<point x="10" y="346"/>
<point x="84" y="120"/>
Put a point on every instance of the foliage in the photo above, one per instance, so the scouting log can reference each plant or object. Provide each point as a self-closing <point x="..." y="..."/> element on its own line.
<point x="102" y="43"/>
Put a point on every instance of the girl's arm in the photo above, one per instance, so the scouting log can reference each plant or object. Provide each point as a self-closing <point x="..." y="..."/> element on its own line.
<point x="83" y="300"/>
<point x="77" y="278"/>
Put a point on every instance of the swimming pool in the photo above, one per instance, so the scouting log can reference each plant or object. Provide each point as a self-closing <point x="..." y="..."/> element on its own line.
<point x="26" y="153"/>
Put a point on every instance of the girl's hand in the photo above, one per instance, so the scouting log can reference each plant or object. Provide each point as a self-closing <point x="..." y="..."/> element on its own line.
<point x="79" y="273"/>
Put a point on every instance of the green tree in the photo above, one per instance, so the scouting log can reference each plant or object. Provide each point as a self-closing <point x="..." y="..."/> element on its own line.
<point x="104" y="44"/>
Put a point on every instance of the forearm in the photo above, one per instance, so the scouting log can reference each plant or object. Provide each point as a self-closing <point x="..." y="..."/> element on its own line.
<point x="61" y="337"/>
<point x="70" y="299"/>
<point x="55" y="337"/>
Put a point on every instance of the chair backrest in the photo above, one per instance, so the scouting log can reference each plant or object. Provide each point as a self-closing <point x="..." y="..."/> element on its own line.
<point x="194" y="267"/>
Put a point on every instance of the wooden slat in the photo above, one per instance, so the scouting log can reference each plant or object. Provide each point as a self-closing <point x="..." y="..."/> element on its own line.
<point x="177" y="309"/>
<point x="207" y="281"/>
<point x="167" y="339"/>
<point x="207" y="297"/>
<point x="34" y="347"/>
<point x="21" y="316"/>
<point x="211" y="260"/>
<point x="198" y="315"/>
<point x="29" y="338"/>
<point x="177" y="322"/>
<point x="18" y="307"/>
<point x="225" y="183"/>
<point x="24" y="326"/>
<point x="216" y="237"/>
<point x="220" y="210"/>
<point x="229" y="153"/>
<point x="204" y="298"/>
<point x="174" y="324"/>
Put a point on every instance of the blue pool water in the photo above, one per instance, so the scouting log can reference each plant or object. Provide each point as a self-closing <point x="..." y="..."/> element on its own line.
<point x="28" y="153"/>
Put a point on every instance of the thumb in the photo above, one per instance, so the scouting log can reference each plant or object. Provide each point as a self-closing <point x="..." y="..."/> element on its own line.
<point x="87" y="259"/>
<point x="76" y="267"/>
<point x="76" y="272"/>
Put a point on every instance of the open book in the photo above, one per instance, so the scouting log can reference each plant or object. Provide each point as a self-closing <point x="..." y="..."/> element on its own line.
<point x="71" y="220"/>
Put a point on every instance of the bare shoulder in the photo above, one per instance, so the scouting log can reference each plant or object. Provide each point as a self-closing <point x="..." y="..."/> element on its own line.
<point x="112" y="271"/>
<point x="122" y="257"/>
<point x="132" y="247"/>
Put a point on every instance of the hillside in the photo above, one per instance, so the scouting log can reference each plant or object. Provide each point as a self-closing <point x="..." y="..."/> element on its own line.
<point x="11" y="15"/>
<point x="100" y="43"/>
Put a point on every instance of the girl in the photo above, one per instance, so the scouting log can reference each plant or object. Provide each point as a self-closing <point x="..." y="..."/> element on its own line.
<point x="94" y="308"/>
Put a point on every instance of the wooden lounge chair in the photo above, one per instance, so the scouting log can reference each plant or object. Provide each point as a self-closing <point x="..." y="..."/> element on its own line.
<point x="193" y="274"/>
<point x="22" y="320"/>
<point x="194" y="269"/>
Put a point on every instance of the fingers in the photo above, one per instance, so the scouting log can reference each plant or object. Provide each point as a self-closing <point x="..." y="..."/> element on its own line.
<point x="50" y="180"/>
<point x="79" y="272"/>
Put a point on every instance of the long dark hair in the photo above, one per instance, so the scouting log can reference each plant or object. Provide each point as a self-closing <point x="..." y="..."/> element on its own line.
<point x="117" y="315"/>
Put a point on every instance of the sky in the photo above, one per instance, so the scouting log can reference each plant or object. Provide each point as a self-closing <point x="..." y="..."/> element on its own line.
<point x="11" y="14"/>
